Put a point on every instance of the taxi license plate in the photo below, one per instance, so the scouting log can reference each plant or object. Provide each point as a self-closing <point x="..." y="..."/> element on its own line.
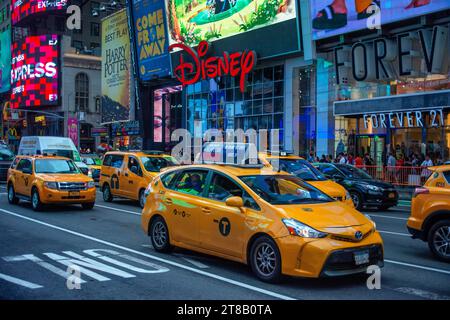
<point x="74" y="193"/>
<point x="361" y="257"/>
<point x="392" y="195"/>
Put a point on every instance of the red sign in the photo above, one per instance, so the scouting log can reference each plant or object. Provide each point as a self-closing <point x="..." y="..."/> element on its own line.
<point x="233" y="64"/>
<point x="24" y="8"/>
<point x="35" y="72"/>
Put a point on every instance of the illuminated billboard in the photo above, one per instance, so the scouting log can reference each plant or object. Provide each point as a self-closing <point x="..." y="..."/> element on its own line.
<point x="21" y="9"/>
<point x="331" y="18"/>
<point x="5" y="60"/>
<point x="191" y="21"/>
<point x="35" y="72"/>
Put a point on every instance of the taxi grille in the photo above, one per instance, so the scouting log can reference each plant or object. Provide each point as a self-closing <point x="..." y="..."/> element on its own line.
<point x="349" y="239"/>
<point x="72" y="186"/>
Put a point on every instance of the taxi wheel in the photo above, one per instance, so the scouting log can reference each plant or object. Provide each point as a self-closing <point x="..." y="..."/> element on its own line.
<point x="12" y="199"/>
<point x="142" y="198"/>
<point x="88" y="206"/>
<point x="35" y="200"/>
<point x="107" y="195"/>
<point x="357" y="199"/>
<point x="265" y="260"/>
<point x="439" y="240"/>
<point x="159" y="234"/>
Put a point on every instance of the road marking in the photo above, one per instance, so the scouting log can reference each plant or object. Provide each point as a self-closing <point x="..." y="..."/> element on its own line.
<point x="117" y="209"/>
<point x="175" y="264"/>
<point x="387" y="217"/>
<point x="192" y="261"/>
<point x="20" y="282"/>
<point x="418" y="266"/>
<point x="395" y="233"/>
<point x="422" y="293"/>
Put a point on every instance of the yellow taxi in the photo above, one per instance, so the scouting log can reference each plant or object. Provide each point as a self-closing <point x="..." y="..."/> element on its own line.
<point x="94" y="164"/>
<point x="273" y="221"/>
<point x="304" y="170"/>
<point x="430" y="212"/>
<point x="127" y="174"/>
<point x="44" y="179"/>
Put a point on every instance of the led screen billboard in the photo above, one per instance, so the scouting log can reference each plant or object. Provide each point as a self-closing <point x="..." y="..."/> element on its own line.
<point x="331" y="18"/>
<point x="191" y="21"/>
<point x="21" y="9"/>
<point x="35" y="72"/>
<point x="5" y="60"/>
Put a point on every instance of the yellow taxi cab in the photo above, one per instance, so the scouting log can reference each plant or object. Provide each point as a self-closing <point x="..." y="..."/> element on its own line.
<point x="94" y="164"/>
<point x="430" y="212"/>
<point x="127" y="174"/>
<point x="44" y="179"/>
<point x="304" y="170"/>
<point x="273" y="221"/>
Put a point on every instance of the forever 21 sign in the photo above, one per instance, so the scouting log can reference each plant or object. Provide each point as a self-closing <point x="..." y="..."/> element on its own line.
<point x="390" y="58"/>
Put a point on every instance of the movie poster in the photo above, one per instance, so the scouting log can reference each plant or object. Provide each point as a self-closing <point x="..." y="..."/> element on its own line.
<point x="151" y="38"/>
<point x="35" y="72"/>
<point x="191" y="21"/>
<point x="116" y="65"/>
<point x="5" y="60"/>
<point x="331" y="18"/>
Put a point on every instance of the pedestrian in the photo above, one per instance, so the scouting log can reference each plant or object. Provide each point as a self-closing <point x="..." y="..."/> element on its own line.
<point x="391" y="163"/>
<point x="358" y="161"/>
<point x="424" y="165"/>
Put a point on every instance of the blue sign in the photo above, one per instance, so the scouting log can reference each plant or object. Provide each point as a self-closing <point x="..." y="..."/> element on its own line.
<point x="151" y="39"/>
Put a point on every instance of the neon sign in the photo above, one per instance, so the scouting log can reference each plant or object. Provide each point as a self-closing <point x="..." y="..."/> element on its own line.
<point x="233" y="64"/>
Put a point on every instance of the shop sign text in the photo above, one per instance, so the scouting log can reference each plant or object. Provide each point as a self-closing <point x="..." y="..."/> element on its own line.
<point x="202" y="68"/>
<point x="405" y="119"/>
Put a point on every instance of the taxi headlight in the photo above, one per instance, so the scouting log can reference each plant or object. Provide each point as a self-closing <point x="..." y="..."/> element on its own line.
<point x="373" y="222"/>
<point x="91" y="184"/>
<point x="51" y="185"/>
<point x="296" y="228"/>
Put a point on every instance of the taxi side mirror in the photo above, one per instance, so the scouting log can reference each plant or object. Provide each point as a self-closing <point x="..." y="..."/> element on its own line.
<point x="237" y="202"/>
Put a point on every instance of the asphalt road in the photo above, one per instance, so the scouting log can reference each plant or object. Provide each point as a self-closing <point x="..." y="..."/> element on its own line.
<point x="117" y="261"/>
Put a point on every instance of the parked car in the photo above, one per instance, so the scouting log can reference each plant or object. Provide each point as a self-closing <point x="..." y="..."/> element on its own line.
<point x="6" y="158"/>
<point x="364" y="190"/>
<point x="430" y="213"/>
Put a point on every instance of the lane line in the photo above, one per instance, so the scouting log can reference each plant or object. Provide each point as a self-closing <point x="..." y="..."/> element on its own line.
<point x="395" y="233"/>
<point x="422" y="293"/>
<point x="175" y="264"/>
<point x="20" y="282"/>
<point x="387" y="217"/>
<point x="418" y="266"/>
<point x="117" y="209"/>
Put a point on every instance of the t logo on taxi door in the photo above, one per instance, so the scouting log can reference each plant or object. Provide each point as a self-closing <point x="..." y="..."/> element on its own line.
<point x="224" y="227"/>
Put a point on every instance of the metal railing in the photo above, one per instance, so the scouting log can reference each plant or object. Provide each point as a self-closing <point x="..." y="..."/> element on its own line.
<point x="399" y="175"/>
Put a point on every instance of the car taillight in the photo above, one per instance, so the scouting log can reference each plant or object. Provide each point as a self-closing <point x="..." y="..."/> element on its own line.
<point x="419" y="191"/>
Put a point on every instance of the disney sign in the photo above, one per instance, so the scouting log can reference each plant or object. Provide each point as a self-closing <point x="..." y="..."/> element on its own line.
<point x="203" y="68"/>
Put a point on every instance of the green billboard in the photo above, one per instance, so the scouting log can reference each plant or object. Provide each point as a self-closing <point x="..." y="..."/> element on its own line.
<point x="5" y="60"/>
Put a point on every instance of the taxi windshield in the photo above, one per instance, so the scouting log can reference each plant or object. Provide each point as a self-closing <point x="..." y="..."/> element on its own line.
<point x="155" y="164"/>
<point x="302" y="169"/>
<point x="55" y="166"/>
<point x="284" y="189"/>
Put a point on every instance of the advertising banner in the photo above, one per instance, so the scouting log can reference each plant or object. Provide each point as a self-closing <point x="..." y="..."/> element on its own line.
<point x="35" y="72"/>
<point x="21" y="9"/>
<point x="116" y="65"/>
<point x="150" y="34"/>
<point x="72" y="129"/>
<point x="126" y="128"/>
<point x="5" y="60"/>
<point x="191" y="21"/>
<point x="339" y="17"/>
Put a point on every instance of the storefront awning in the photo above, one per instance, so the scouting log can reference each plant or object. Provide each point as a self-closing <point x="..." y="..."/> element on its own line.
<point x="407" y="102"/>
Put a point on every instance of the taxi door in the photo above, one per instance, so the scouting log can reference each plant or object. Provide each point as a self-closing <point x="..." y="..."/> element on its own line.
<point x="24" y="177"/>
<point x="117" y="178"/>
<point x="131" y="178"/>
<point x="222" y="228"/>
<point x="184" y="202"/>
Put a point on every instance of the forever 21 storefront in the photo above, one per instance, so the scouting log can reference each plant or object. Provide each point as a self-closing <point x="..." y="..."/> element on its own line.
<point x="389" y="90"/>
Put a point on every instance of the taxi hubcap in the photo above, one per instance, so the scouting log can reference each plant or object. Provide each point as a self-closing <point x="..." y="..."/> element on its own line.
<point x="159" y="234"/>
<point x="442" y="241"/>
<point x="106" y="193"/>
<point x="35" y="200"/>
<point x="355" y="199"/>
<point x="11" y="193"/>
<point x="265" y="259"/>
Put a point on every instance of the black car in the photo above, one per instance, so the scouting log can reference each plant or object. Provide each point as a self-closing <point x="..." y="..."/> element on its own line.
<point x="364" y="190"/>
<point x="6" y="158"/>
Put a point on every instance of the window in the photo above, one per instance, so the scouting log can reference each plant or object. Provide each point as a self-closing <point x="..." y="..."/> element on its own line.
<point x="95" y="45"/>
<point x="447" y="176"/>
<point x="107" y="161"/>
<point x="95" y="5"/>
<point x="77" y="44"/>
<point x="24" y="164"/>
<point x="191" y="182"/>
<point x="113" y="160"/>
<point x="95" y="29"/>
<point x="222" y="188"/>
<point x="132" y="162"/>
<point x="168" y="178"/>
<point x="82" y="92"/>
